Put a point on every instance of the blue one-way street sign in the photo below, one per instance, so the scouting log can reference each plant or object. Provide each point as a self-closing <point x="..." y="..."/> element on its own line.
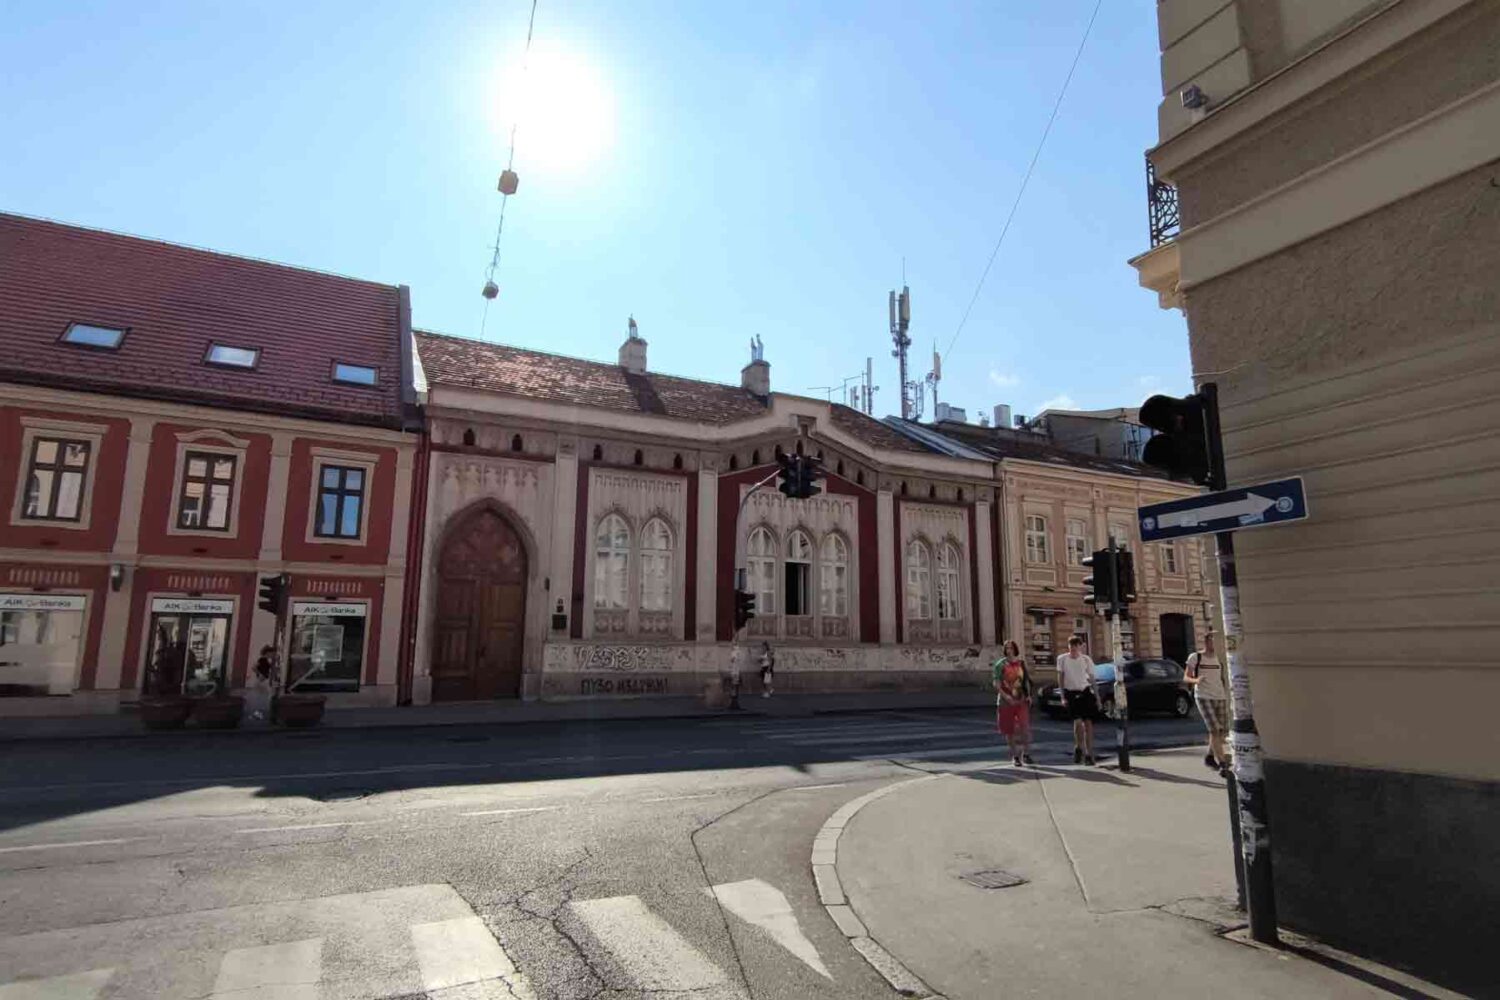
<point x="1242" y="507"/>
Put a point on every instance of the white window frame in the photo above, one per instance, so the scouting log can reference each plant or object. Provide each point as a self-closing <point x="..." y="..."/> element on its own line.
<point x="35" y="427"/>
<point x="660" y="557"/>
<point x="1077" y="542"/>
<point x="761" y="569"/>
<point x="950" y="586"/>
<point x="833" y="576"/>
<point x="321" y="457"/>
<point x="806" y="558"/>
<point x="918" y="581"/>
<point x="214" y="443"/>
<point x="1037" y="548"/>
<point x="608" y="553"/>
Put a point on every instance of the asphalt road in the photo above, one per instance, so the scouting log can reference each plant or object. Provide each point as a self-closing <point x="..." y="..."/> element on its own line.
<point x="628" y="859"/>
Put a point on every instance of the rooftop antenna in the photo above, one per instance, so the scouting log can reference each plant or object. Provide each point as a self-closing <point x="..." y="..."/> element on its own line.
<point x="900" y="308"/>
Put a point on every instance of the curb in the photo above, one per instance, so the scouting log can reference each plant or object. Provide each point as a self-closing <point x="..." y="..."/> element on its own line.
<point x="831" y="894"/>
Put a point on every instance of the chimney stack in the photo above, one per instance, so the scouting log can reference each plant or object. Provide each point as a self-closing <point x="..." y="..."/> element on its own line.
<point x="633" y="351"/>
<point x="756" y="376"/>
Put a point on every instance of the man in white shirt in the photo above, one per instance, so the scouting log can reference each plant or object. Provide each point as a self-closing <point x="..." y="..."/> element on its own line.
<point x="1205" y="674"/>
<point x="1075" y="676"/>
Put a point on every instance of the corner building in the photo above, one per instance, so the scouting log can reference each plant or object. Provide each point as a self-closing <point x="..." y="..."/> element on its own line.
<point x="174" y="424"/>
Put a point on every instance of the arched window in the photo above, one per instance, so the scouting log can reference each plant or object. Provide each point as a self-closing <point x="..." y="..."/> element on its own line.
<point x="677" y="461"/>
<point x="640" y="457"/>
<point x="656" y="566"/>
<point x="833" y="578"/>
<point x="612" y="564"/>
<point x="949" y="603"/>
<point x="799" y="552"/>
<point x="1036" y="539"/>
<point x="598" y="453"/>
<point x="918" y="580"/>
<point x="469" y="438"/>
<point x="515" y="443"/>
<point x="761" y="563"/>
<point x="734" y="462"/>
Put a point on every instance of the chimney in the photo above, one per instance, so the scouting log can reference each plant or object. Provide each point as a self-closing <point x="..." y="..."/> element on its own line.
<point x="633" y="351"/>
<point x="756" y="376"/>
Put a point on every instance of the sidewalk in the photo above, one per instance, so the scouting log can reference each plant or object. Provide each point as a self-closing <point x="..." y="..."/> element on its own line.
<point x="126" y="724"/>
<point x="1130" y="886"/>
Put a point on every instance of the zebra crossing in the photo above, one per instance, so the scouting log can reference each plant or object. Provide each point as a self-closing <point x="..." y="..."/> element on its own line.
<point x="415" y="941"/>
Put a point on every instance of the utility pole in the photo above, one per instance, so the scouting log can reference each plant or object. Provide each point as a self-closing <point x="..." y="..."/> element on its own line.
<point x="1117" y="656"/>
<point x="900" y="308"/>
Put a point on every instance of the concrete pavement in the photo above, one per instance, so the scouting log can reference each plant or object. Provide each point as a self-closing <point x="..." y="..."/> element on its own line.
<point x="1129" y="885"/>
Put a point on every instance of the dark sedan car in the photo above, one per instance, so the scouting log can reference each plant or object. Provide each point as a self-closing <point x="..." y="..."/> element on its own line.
<point x="1154" y="685"/>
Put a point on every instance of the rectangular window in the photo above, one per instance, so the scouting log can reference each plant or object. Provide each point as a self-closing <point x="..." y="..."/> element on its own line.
<point x="84" y="335"/>
<point x="55" y="479"/>
<point x="1169" y="557"/>
<point x="40" y="636"/>
<point x="1036" y="539"/>
<point x="341" y="495"/>
<point x="328" y="642"/>
<point x="1078" y="542"/>
<point x="207" y="491"/>
<point x="354" y="374"/>
<point x="232" y="357"/>
<point x="798" y="588"/>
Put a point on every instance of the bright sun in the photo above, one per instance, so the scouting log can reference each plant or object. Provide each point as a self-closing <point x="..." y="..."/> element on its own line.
<point x="563" y="107"/>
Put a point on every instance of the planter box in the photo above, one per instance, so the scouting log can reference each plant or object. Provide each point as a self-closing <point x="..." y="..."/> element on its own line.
<point x="165" y="713"/>
<point x="298" y="711"/>
<point x="218" y="713"/>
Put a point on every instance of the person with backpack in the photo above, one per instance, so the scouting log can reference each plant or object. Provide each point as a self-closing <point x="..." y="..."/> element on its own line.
<point x="1205" y="674"/>
<point x="1013" y="702"/>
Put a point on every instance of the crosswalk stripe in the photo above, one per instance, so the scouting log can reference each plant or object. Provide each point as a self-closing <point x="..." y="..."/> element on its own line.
<point x="78" y="986"/>
<point x="765" y="906"/>
<point x="654" y="955"/>
<point x="463" y="952"/>
<point x="286" y="971"/>
<point x="934" y="736"/>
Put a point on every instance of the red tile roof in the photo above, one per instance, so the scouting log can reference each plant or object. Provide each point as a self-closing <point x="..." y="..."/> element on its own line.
<point x="873" y="432"/>
<point x="175" y="301"/>
<point x="471" y="364"/>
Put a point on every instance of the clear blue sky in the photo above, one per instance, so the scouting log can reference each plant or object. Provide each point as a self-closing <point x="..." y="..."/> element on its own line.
<point x="763" y="168"/>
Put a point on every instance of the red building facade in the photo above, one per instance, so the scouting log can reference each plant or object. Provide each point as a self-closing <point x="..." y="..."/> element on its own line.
<point x="175" y="424"/>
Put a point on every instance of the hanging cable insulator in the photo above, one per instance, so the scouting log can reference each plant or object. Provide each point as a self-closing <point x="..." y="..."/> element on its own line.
<point x="491" y="290"/>
<point x="509" y="182"/>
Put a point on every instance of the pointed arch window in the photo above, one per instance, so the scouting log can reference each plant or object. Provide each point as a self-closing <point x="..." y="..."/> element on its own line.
<point x="918" y="580"/>
<point x="761" y="563"/>
<point x="833" y="578"/>
<point x="612" y="564"/>
<point x="799" y="554"/>
<point x="949" y="594"/>
<point x="656" y="566"/>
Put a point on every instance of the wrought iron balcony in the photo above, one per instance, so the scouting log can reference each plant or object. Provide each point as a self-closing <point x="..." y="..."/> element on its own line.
<point x="1161" y="202"/>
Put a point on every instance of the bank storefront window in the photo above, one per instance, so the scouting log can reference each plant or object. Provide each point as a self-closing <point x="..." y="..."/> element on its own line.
<point x="190" y="644"/>
<point x="40" y="637"/>
<point x="328" y="645"/>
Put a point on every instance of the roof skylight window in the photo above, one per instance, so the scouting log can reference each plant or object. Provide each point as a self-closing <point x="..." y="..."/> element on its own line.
<point x="232" y="357"/>
<point x="354" y="374"/>
<point x="87" y="335"/>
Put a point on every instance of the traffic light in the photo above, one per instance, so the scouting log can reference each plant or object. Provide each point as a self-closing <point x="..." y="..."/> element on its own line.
<point x="273" y="593"/>
<point x="1125" y="573"/>
<point x="744" y="608"/>
<point x="1101" y="584"/>
<point x="1184" y="443"/>
<point x="800" y="475"/>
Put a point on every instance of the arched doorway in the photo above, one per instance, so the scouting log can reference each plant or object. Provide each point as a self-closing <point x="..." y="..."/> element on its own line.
<point x="481" y="610"/>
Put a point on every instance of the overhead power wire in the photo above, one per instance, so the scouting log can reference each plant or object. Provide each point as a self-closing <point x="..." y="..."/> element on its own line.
<point x="510" y="165"/>
<point x="1026" y="179"/>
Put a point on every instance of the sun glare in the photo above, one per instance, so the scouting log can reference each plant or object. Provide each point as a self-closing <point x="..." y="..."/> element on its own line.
<point x="562" y="106"/>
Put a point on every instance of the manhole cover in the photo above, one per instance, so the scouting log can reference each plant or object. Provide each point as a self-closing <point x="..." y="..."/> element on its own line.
<point x="993" y="878"/>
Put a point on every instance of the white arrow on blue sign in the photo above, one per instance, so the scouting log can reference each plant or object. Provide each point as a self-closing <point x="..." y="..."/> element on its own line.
<point x="1229" y="510"/>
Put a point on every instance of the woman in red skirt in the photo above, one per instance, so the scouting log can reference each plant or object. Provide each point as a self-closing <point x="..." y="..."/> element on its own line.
<point x="1013" y="702"/>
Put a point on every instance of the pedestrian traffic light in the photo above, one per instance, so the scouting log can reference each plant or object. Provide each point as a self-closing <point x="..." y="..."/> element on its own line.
<point x="744" y="608"/>
<point x="273" y="593"/>
<point x="1125" y="573"/>
<point x="1101" y="584"/>
<point x="1183" y="445"/>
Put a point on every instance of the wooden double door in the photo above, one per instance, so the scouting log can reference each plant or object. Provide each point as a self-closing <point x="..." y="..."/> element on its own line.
<point x="481" y="610"/>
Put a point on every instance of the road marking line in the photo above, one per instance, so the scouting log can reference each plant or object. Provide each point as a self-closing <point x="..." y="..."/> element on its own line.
<point x="681" y="798"/>
<point x="77" y="986"/>
<point x="765" y="906"/>
<point x="511" y="812"/>
<point x="286" y="971"/>
<point x="75" y="843"/>
<point x="240" y="778"/>
<point x="306" y="826"/>
<point x="462" y="951"/>
<point x="810" y="788"/>
<point x="654" y="955"/>
<point x="913" y="738"/>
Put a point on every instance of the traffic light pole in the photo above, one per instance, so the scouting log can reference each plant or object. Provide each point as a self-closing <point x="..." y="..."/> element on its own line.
<point x="1117" y="655"/>
<point x="741" y="582"/>
<point x="1249" y="774"/>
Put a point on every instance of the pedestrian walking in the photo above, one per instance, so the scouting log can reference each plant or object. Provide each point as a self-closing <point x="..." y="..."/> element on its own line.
<point x="1013" y="702"/>
<point x="767" y="669"/>
<point x="1206" y="676"/>
<point x="262" y="683"/>
<point x="1075" y="675"/>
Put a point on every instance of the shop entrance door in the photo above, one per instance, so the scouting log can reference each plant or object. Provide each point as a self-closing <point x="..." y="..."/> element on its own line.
<point x="189" y="652"/>
<point x="481" y="611"/>
<point x="1177" y="637"/>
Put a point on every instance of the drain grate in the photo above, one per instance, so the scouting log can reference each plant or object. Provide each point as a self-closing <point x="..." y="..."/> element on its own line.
<point x="993" y="878"/>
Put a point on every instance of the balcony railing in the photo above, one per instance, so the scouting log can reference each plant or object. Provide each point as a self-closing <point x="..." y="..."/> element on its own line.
<point x="1161" y="202"/>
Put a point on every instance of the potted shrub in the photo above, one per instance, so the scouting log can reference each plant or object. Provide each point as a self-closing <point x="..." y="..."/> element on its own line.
<point x="217" y="710"/>
<point x="162" y="704"/>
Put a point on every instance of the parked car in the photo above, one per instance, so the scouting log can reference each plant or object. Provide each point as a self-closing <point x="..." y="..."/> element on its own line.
<point x="1153" y="685"/>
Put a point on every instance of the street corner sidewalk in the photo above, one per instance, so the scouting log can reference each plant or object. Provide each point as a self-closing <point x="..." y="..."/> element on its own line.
<point x="1129" y="885"/>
